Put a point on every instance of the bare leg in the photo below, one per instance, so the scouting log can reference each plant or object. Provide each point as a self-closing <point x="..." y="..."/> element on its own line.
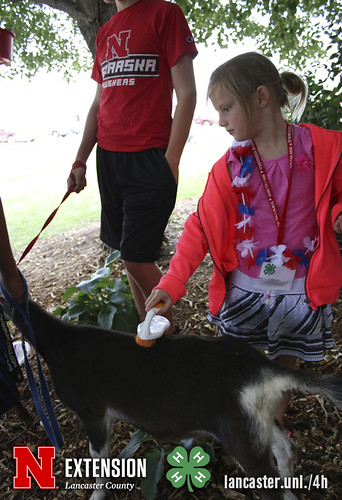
<point x="143" y="277"/>
<point x="290" y="362"/>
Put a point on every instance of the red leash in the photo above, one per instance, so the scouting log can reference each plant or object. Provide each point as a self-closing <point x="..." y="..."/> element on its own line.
<point x="47" y="222"/>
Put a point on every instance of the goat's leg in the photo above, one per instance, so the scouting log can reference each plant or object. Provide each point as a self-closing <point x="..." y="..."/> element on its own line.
<point x="256" y="460"/>
<point x="261" y="466"/>
<point x="99" y="432"/>
<point x="284" y="451"/>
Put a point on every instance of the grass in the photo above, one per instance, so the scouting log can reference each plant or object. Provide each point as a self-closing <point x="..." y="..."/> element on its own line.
<point x="33" y="182"/>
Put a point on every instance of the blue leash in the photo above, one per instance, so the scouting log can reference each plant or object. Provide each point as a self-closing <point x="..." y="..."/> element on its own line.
<point x="49" y="420"/>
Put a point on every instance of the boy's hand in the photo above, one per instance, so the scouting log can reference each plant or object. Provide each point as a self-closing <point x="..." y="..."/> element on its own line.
<point x="159" y="295"/>
<point x="77" y="177"/>
<point x="338" y="224"/>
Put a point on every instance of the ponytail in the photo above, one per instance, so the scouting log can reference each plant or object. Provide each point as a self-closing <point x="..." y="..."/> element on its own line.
<point x="294" y="93"/>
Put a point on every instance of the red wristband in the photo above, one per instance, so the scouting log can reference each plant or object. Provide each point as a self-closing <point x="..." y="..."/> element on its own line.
<point x="78" y="164"/>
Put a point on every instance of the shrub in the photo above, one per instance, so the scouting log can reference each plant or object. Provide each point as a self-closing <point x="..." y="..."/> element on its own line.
<point x="101" y="300"/>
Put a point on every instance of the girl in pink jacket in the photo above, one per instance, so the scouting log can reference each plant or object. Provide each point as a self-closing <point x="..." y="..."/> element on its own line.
<point x="267" y="216"/>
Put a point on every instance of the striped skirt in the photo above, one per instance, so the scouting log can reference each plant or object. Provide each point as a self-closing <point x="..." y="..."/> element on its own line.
<point x="282" y="325"/>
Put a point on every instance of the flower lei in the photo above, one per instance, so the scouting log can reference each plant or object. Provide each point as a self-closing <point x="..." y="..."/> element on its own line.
<point x="278" y="255"/>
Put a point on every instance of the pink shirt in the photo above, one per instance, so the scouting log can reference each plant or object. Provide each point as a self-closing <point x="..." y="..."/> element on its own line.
<point x="300" y="216"/>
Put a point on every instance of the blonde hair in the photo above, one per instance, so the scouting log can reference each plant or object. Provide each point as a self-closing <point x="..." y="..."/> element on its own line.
<point x="243" y="74"/>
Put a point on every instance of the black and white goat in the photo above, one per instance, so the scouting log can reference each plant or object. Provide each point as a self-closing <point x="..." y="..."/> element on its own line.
<point x="180" y="386"/>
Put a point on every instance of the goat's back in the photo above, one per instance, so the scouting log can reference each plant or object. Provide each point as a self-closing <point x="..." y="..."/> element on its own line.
<point x="93" y="368"/>
<point x="181" y="382"/>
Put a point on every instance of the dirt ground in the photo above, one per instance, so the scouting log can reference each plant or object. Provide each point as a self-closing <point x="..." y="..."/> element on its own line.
<point x="62" y="261"/>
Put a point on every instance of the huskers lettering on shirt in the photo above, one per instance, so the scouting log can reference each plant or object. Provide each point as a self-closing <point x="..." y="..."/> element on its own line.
<point x="135" y="52"/>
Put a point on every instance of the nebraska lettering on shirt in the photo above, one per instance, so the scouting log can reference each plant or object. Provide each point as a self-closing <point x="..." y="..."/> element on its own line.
<point x="138" y="65"/>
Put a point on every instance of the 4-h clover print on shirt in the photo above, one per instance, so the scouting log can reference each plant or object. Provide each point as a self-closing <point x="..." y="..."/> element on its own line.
<point x="190" y="469"/>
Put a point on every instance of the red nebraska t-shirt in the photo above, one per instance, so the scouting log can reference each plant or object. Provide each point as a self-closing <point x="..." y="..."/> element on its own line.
<point x="135" y="52"/>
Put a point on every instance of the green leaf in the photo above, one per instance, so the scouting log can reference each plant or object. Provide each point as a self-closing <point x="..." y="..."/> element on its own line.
<point x="65" y="317"/>
<point x="58" y="311"/>
<point x="104" y="272"/>
<point x="117" y="298"/>
<point x="75" y="311"/>
<point x="137" y="438"/>
<point x="112" y="257"/>
<point x="69" y="292"/>
<point x="155" y="468"/>
<point x="105" y="317"/>
<point x="187" y="443"/>
<point x="87" y="286"/>
<point x="126" y="321"/>
<point x="120" y="285"/>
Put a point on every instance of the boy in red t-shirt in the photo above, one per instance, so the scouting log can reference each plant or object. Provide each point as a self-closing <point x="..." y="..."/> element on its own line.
<point x="142" y="54"/>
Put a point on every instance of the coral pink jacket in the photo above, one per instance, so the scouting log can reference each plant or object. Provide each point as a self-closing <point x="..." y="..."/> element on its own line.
<point x="212" y="229"/>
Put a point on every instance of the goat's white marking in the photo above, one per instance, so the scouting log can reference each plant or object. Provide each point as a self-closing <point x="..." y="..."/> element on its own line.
<point x="110" y="417"/>
<point x="98" y="495"/>
<point x="284" y="452"/>
<point x="288" y="495"/>
<point x="260" y="400"/>
<point x="112" y="414"/>
<point x="104" y="452"/>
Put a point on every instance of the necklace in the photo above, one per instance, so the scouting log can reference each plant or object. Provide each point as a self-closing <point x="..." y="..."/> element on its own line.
<point x="278" y="255"/>
<point x="280" y="221"/>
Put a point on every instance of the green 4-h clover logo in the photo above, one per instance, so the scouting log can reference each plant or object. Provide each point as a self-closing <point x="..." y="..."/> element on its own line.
<point x="188" y="469"/>
<point x="269" y="269"/>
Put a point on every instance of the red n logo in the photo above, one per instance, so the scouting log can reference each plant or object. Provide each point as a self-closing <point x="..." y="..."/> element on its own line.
<point x="41" y="472"/>
<point x="117" y="45"/>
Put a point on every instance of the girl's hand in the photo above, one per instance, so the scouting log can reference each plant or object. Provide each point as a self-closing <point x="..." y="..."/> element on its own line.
<point x="338" y="224"/>
<point x="159" y="295"/>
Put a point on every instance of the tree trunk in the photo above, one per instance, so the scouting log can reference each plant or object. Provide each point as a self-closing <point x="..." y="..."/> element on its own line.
<point x="88" y="14"/>
<point x="92" y="14"/>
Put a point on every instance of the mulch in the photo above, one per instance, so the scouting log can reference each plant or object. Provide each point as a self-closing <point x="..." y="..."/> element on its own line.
<point x="56" y="264"/>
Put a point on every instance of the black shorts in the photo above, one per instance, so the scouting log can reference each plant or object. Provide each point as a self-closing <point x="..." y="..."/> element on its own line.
<point x="138" y="193"/>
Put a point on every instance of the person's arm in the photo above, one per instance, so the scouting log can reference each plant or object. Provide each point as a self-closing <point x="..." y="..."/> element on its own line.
<point x="78" y="179"/>
<point x="184" y="84"/>
<point x="191" y="249"/>
<point x="9" y="274"/>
